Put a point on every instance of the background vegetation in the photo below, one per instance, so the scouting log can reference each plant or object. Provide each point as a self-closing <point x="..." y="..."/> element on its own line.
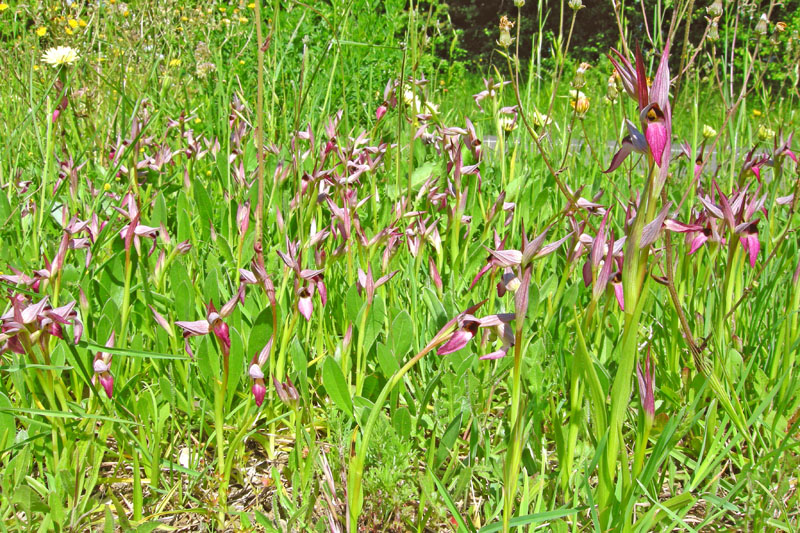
<point x="172" y="356"/>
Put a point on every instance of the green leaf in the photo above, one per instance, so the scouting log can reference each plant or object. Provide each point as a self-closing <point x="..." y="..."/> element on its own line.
<point x="402" y="334"/>
<point x="260" y="332"/>
<point x="335" y="384"/>
<point x="448" y="439"/>
<point x="530" y="519"/>
<point x="29" y="500"/>
<point x="463" y="525"/>
<point x="401" y="421"/>
<point x="386" y="360"/>
<point x="7" y="427"/>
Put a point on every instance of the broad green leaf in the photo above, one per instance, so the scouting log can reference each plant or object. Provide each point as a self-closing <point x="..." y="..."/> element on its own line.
<point x="401" y="421"/>
<point x="335" y="384"/>
<point x="402" y="334"/>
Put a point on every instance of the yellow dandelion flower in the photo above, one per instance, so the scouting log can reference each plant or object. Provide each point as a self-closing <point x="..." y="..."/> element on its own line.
<point x="126" y="13"/>
<point x="175" y="62"/>
<point x="72" y="23"/>
<point x="82" y="23"/>
<point x="69" y="31"/>
<point x="41" y="31"/>
<point x="62" y="55"/>
<point x="3" y="6"/>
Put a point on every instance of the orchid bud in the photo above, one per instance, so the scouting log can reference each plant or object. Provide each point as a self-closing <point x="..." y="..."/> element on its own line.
<point x="380" y="112"/>
<point x="243" y="218"/>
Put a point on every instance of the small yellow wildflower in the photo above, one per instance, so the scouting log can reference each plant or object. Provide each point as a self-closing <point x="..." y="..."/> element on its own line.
<point x="251" y="5"/>
<point x="82" y="23"/>
<point x="184" y="18"/>
<point x="222" y="9"/>
<point x="126" y="13"/>
<point x="72" y="23"/>
<point x="756" y="113"/>
<point x="3" y="6"/>
<point x="175" y="62"/>
<point x="243" y="20"/>
<point x="112" y="1"/>
<point x="197" y="120"/>
<point x="235" y="10"/>
<point x="241" y="61"/>
<point x="41" y="31"/>
<point x="36" y="67"/>
<point x="106" y="186"/>
<point x="69" y="31"/>
<point x="208" y="172"/>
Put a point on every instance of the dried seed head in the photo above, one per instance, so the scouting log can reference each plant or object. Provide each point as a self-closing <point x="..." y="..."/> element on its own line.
<point x="505" y="39"/>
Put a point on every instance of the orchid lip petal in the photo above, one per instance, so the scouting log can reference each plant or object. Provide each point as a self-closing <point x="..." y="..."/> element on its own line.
<point x="457" y="341"/>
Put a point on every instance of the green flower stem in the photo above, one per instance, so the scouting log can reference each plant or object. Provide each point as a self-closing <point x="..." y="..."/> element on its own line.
<point x="633" y="280"/>
<point x="355" y="491"/>
<point x="219" y="430"/>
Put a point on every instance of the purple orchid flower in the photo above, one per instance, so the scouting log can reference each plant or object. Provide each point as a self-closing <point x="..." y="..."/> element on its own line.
<point x="655" y="114"/>
<point x="102" y="368"/>
<point x="213" y="323"/>
<point x="257" y="374"/>
<point x="468" y="326"/>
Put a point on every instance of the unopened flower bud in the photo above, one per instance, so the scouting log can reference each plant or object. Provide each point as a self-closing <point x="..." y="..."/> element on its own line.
<point x="761" y="26"/>
<point x="708" y="131"/>
<point x="715" y="9"/>
<point x="579" y="102"/>
<point x="613" y="92"/>
<point x="765" y="134"/>
<point x="579" y="81"/>
<point x="575" y="4"/>
<point x="519" y="3"/>
<point x="713" y="31"/>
